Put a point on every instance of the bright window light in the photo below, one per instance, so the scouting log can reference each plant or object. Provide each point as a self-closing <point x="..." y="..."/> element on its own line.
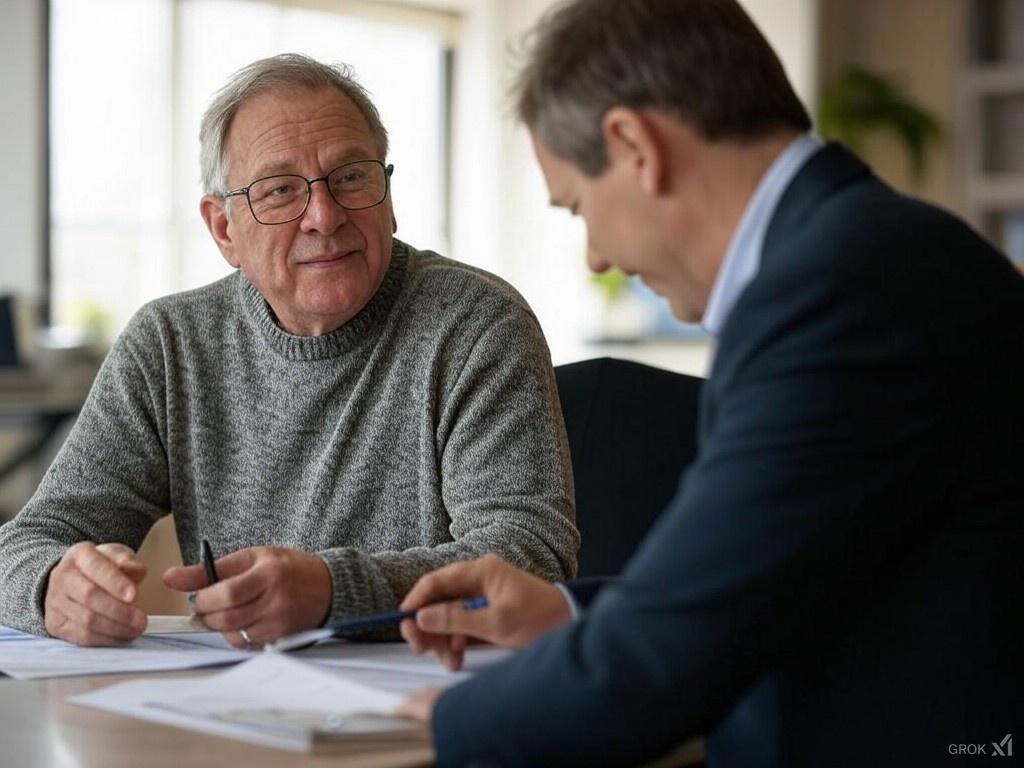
<point x="126" y="99"/>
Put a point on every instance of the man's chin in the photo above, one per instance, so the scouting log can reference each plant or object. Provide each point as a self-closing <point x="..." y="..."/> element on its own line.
<point x="684" y="312"/>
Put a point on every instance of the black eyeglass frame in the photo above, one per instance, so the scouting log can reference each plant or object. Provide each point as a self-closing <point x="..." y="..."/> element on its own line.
<point x="388" y="170"/>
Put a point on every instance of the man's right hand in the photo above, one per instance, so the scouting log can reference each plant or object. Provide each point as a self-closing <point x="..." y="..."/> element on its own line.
<point x="520" y="607"/>
<point x="90" y="595"/>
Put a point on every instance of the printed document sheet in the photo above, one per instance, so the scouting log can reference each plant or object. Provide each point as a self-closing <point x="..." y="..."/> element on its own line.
<point x="29" y="657"/>
<point x="173" y="643"/>
<point x="273" y="699"/>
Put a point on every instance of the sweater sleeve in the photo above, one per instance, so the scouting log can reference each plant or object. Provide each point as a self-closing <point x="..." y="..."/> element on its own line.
<point x="506" y="475"/>
<point x="108" y="483"/>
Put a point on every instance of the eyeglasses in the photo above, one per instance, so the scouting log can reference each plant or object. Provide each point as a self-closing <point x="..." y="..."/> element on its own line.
<point x="280" y="199"/>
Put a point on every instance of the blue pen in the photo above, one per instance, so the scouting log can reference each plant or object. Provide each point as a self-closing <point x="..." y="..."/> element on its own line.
<point x="356" y="626"/>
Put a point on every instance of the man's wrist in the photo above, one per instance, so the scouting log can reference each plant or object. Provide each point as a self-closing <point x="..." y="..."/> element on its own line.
<point x="329" y="608"/>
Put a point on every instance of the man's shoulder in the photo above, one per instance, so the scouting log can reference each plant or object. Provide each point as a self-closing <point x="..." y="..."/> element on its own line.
<point x="869" y="237"/>
<point x="869" y="263"/>
<point x="186" y="313"/>
<point x="195" y="304"/>
<point x="435" y="276"/>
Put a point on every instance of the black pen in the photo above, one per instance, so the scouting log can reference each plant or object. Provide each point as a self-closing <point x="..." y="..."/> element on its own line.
<point x="207" y="558"/>
<point x="356" y="626"/>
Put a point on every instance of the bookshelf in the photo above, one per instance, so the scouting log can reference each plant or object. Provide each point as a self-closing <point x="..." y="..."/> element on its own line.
<point x="990" y="121"/>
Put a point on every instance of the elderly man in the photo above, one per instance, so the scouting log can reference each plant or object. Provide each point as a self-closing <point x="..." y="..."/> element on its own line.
<point x="337" y="417"/>
<point x="835" y="582"/>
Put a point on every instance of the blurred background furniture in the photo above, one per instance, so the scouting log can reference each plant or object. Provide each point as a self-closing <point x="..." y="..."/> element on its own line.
<point x="35" y="404"/>
<point x="989" y="121"/>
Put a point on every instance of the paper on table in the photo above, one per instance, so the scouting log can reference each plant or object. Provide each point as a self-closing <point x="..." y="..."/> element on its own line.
<point x="174" y="625"/>
<point x="397" y="657"/>
<point x="271" y="699"/>
<point x="8" y="635"/>
<point x="393" y="667"/>
<point x="29" y="657"/>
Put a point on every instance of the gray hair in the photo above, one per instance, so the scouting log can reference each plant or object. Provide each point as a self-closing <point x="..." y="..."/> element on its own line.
<point x="287" y="70"/>
<point x="703" y="61"/>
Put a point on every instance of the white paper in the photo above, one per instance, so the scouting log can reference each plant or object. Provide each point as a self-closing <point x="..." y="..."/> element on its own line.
<point x="272" y="699"/>
<point x="174" y="625"/>
<point x="29" y="657"/>
<point x="398" y="658"/>
<point x="8" y="635"/>
<point x="394" y="667"/>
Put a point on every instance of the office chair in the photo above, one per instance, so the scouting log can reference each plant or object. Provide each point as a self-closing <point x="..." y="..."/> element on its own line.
<point x="632" y="430"/>
<point x="8" y="347"/>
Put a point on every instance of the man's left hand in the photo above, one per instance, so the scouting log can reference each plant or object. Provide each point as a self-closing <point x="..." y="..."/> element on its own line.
<point x="267" y="591"/>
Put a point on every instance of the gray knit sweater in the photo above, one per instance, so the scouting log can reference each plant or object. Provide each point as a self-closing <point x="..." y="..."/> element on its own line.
<point x="425" y="430"/>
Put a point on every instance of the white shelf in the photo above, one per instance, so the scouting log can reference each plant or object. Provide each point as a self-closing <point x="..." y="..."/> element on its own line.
<point x="1004" y="79"/>
<point x="1002" y="191"/>
<point x="991" y="117"/>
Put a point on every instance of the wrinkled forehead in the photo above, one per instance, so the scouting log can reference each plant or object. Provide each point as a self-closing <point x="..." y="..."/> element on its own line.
<point x="277" y="130"/>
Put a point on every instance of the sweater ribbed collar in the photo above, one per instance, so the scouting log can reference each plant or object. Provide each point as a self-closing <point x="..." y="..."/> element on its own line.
<point x="353" y="333"/>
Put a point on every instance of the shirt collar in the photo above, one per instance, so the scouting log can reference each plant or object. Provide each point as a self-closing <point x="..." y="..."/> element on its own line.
<point x="743" y="258"/>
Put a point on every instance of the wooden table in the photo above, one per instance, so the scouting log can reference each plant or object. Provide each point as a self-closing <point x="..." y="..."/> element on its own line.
<point x="40" y="729"/>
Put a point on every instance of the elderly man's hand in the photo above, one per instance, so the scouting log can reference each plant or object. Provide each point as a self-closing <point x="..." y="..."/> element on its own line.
<point x="90" y="595"/>
<point x="267" y="591"/>
<point x="520" y="608"/>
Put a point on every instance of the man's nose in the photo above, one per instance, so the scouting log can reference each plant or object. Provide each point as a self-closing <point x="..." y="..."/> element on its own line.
<point x="323" y="214"/>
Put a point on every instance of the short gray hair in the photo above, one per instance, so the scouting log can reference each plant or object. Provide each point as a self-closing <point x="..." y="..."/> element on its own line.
<point x="703" y="61"/>
<point x="285" y="71"/>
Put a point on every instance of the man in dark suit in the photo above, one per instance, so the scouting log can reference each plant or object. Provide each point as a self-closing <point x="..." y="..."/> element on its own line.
<point x="838" y="580"/>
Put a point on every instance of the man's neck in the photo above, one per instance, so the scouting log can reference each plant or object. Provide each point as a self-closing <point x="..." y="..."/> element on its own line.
<point x="731" y="171"/>
<point x="719" y="185"/>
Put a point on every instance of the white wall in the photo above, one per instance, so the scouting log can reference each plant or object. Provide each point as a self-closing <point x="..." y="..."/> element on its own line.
<point x="502" y="220"/>
<point x="21" y="147"/>
<point x="791" y="26"/>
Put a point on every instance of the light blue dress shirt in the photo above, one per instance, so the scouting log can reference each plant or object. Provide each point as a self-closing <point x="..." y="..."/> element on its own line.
<point x="743" y="259"/>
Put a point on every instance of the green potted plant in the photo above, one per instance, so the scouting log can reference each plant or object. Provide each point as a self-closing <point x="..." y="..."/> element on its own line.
<point x="858" y="102"/>
<point x="621" y="316"/>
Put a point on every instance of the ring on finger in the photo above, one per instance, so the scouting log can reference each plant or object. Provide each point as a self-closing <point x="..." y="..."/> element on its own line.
<point x="245" y="637"/>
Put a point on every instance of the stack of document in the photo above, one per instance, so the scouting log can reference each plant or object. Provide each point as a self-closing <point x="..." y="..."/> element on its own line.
<point x="29" y="657"/>
<point x="273" y="700"/>
<point x="336" y="691"/>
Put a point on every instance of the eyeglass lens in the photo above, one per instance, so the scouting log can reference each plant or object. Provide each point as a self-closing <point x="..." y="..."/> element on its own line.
<point x="278" y="199"/>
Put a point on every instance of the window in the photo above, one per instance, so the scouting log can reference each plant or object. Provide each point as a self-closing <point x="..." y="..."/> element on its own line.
<point x="125" y="105"/>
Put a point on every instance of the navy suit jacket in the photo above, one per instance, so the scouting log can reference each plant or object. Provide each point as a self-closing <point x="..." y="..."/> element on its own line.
<point x="838" y="579"/>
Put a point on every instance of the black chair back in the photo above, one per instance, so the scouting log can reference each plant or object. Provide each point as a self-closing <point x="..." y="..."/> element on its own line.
<point x="8" y="347"/>
<point x="632" y="430"/>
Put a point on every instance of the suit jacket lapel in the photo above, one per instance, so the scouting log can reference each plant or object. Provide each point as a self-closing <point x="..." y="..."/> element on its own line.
<point x="827" y="171"/>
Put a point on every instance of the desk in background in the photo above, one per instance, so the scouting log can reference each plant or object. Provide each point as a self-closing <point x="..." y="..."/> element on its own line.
<point x="43" y="403"/>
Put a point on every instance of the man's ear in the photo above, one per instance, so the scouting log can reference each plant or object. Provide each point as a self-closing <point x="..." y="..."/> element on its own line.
<point x="212" y="209"/>
<point x="632" y="138"/>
